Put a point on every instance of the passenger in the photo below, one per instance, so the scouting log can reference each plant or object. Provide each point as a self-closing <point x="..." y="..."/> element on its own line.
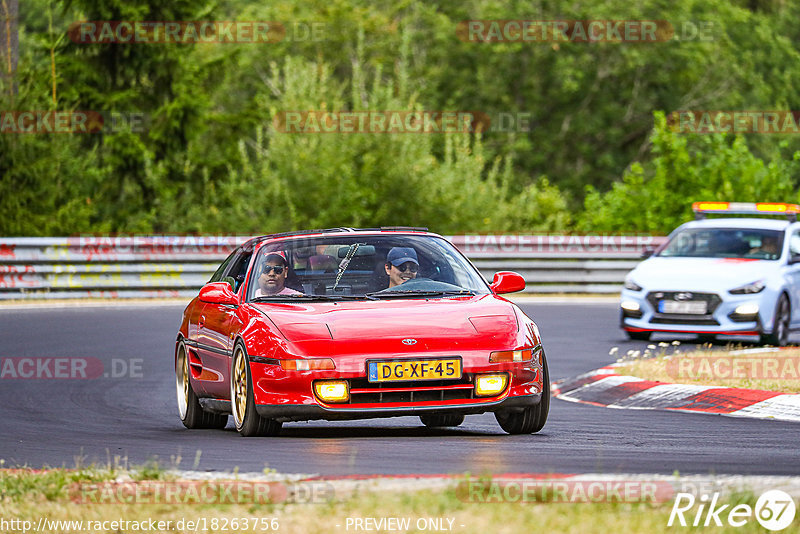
<point x="401" y="265"/>
<point x="272" y="277"/>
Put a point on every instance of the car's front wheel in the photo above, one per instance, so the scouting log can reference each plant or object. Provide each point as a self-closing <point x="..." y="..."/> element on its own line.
<point x="780" y="328"/>
<point x="191" y="413"/>
<point x="439" y="420"/>
<point x="532" y="418"/>
<point x="243" y="405"/>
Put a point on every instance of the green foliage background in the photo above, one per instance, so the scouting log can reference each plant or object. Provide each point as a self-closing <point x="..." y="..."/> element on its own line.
<point x="598" y="157"/>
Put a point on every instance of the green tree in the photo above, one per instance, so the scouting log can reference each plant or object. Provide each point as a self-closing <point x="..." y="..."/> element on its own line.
<point x="656" y="196"/>
<point x="316" y="180"/>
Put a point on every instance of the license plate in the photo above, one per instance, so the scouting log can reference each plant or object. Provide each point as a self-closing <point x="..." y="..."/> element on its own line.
<point x="399" y="370"/>
<point x="694" y="307"/>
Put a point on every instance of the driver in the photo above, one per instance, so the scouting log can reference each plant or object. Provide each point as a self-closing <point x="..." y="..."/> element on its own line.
<point x="272" y="277"/>
<point x="768" y="247"/>
<point x="401" y="265"/>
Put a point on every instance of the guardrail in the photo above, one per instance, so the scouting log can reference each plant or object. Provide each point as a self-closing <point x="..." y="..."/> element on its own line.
<point x="177" y="266"/>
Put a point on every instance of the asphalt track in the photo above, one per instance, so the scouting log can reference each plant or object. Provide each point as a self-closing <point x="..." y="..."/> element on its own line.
<point x="66" y="422"/>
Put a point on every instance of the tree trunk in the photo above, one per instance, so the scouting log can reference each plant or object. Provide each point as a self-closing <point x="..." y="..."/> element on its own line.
<point x="9" y="37"/>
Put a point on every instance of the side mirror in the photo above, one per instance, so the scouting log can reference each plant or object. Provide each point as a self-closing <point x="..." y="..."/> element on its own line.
<point x="507" y="282"/>
<point x="219" y="293"/>
<point x="646" y="253"/>
<point x="794" y="258"/>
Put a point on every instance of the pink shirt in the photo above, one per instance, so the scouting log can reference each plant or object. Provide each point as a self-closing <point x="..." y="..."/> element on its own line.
<point x="284" y="291"/>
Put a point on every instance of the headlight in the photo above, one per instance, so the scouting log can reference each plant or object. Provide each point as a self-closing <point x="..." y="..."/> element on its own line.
<point x="490" y="385"/>
<point x="748" y="289"/>
<point x="629" y="305"/>
<point x="633" y="286"/>
<point x="332" y="390"/>
<point x="750" y="308"/>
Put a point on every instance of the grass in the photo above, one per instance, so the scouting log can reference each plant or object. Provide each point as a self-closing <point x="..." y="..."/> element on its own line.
<point x="49" y="485"/>
<point x="28" y="496"/>
<point x="777" y="370"/>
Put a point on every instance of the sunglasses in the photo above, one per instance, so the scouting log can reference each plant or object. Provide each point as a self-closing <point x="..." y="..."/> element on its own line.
<point x="407" y="266"/>
<point x="277" y="268"/>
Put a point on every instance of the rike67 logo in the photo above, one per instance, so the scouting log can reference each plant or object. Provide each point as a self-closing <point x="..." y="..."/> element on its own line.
<point x="774" y="510"/>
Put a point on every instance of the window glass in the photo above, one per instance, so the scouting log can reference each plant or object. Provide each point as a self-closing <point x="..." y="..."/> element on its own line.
<point x="356" y="267"/>
<point x="236" y="274"/>
<point x="747" y="243"/>
<point x="794" y="244"/>
<point x="217" y="276"/>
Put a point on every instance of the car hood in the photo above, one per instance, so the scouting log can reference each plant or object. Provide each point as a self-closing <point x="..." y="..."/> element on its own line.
<point x="699" y="274"/>
<point x="378" y="326"/>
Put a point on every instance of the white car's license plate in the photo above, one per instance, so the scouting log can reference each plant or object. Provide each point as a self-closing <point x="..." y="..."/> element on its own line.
<point x="694" y="307"/>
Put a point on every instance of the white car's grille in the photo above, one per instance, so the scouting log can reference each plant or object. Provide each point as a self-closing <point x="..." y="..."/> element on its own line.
<point x="712" y="301"/>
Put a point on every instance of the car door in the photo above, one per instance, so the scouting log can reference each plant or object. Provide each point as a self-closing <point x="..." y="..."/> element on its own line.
<point x="218" y="325"/>
<point x="793" y="275"/>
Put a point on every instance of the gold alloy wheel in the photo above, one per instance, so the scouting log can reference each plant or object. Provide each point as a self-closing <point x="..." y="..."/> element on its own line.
<point x="182" y="381"/>
<point x="240" y="387"/>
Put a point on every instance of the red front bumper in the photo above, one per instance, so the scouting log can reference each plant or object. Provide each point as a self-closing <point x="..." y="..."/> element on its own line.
<point x="289" y="395"/>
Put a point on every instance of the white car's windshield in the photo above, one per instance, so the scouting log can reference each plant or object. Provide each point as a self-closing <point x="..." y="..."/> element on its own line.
<point x="757" y="244"/>
<point x="362" y="266"/>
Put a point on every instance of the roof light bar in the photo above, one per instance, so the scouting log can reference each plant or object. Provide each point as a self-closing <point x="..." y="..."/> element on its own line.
<point x="746" y="208"/>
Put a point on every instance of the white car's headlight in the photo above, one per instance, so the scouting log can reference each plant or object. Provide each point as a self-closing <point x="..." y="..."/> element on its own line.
<point x="749" y="308"/>
<point x="633" y="286"/>
<point x="630" y="305"/>
<point x="748" y="289"/>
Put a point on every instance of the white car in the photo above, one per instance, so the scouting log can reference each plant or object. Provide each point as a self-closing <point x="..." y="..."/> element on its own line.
<point x="725" y="276"/>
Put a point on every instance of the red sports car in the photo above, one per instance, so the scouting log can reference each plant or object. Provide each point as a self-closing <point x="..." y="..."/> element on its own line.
<point x="350" y="324"/>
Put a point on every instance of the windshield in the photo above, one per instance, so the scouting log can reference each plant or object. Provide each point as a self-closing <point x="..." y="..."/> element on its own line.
<point x="725" y="243"/>
<point x="363" y="267"/>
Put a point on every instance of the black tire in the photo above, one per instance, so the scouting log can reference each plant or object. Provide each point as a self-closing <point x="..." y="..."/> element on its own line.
<point x="437" y="420"/>
<point x="243" y="407"/>
<point x="532" y="418"/>
<point x="189" y="410"/>
<point x="639" y="336"/>
<point x="780" y="329"/>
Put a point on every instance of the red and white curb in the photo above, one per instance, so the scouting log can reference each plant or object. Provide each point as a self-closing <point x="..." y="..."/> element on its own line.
<point x="605" y="387"/>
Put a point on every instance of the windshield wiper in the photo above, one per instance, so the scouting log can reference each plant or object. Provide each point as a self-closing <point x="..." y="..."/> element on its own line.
<point x="279" y="298"/>
<point x="419" y="293"/>
<point x="367" y="296"/>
